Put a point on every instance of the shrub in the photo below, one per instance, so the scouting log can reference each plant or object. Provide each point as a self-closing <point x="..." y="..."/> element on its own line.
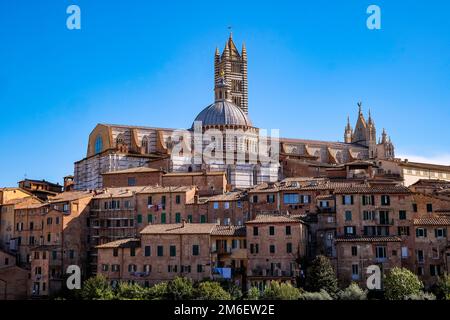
<point x="321" y="295"/>
<point x="253" y="294"/>
<point x="401" y="282"/>
<point x="281" y="291"/>
<point x="180" y="289"/>
<point x="421" y="296"/>
<point x="126" y="291"/>
<point x="210" y="290"/>
<point x="157" y="292"/>
<point x="97" y="288"/>
<point x="352" y="292"/>
<point x="442" y="287"/>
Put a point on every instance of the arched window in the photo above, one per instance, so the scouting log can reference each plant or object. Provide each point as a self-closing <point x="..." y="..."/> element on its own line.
<point x="229" y="174"/>
<point x="255" y="175"/>
<point x="145" y="144"/>
<point x="119" y="139"/>
<point x="98" y="144"/>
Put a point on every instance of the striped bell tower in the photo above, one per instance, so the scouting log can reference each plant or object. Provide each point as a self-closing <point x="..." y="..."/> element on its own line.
<point x="231" y="66"/>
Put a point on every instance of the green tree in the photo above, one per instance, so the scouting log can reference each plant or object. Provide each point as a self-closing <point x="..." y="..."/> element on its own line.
<point x="126" y="291"/>
<point x="281" y="291"/>
<point x="400" y="283"/>
<point x="180" y="289"/>
<point x="352" y="292"/>
<point x="97" y="288"/>
<point x="421" y="296"/>
<point x="157" y="292"/>
<point x="210" y="290"/>
<point x="253" y="294"/>
<point x="442" y="287"/>
<point x="321" y="295"/>
<point x="321" y="275"/>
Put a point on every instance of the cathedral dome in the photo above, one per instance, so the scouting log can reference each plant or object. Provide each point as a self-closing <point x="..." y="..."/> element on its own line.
<point x="223" y="112"/>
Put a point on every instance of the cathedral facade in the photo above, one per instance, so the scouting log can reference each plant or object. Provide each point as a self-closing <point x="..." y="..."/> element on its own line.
<point x="117" y="147"/>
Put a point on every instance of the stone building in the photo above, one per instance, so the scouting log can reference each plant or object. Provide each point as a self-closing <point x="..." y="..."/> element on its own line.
<point x="275" y="244"/>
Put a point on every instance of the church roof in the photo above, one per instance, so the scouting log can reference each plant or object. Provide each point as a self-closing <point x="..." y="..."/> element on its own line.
<point x="223" y="112"/>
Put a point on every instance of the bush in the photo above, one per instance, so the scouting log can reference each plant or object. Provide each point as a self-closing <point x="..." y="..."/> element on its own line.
<point x="442" y="287"/>
<point x="210" y="290"/>
<point x="126" y="291"/>
<point x="180" y="289"/>
<point x="253" y="294"/>
<point x="321" y="295"/>
<point x="97" y="288"/>
<point x="421" y="296"/>
<point x="352" y="292"/>
<point x="321" y="275"/>
<point x="400" y="283"/>
<point x="281" y="291"/>
<point x="157" y="292"/>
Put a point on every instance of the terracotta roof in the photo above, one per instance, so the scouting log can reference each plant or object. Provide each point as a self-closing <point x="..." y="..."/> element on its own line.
<point x="122" y="243"/>
<point x="421" y="165"/>
<point x="237" y="231"/>
<point x="432" y="221"/>
<point x="228" y="196"/>
<point x="124" y="192"/>
<point x="70" y="196"/>
<point x="367" y="239"/>
<point x="273" y="218"/>
<point x="179" y="228"/>
<point x="325" y="197"/>
<point x="132" y="170"/>
<point x="388" y="189"/>
<point x="29" y="203"/>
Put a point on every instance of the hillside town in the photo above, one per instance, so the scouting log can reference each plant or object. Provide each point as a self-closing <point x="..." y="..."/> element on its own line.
<point x="134" y="211"/>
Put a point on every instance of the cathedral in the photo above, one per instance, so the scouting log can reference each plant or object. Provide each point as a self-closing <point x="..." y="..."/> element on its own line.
<point x="117" y="147"/>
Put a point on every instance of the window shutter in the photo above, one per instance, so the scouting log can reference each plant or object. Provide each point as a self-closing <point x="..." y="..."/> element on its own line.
<point x="445" y="232"/>
<point x="417" y="232"/>
<point x="351" y="199"/>
<point x="343" y="199"/>
<point x="425" y="232"/>
<point x="372" y="197"/>
<point x="436" y="233"/>
<point x="363" y="200"/>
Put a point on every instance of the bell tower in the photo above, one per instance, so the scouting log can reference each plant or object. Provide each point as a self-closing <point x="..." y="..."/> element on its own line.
<point x="231" y="67"/>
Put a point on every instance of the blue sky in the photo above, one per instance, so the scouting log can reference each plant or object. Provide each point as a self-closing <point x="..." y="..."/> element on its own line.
<point x="151" y="63"/>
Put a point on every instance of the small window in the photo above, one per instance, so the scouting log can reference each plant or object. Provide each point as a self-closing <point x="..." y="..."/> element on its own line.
<point x="255" y="199"/>
<point x="440" y="233"/>
<point x="132" y="252"/>
<point x="271" y="230"/>
<point x="139" y="218"/>
<point x="163" y="217"/>
<point x="348" y="216"/>
<point x="255" y="231"/>
<point x="385" y="200"/>
<point x="288" y="230"/>
<point x="216" y="205"/>
<point x="354" y="251"/>
<point x="288" y="247"/>
<point x="173" y="251"/>
<point x="149" y="218"/>
<point x="347" y="200"/>
<point x="195" y="250"/>
<point x="131" y="181"/>
<point x="147" y="251"/>
<point x="414" y="207"/>
<point x="226" y="205"/>
<point x="149" y="201"/>
<point x="177" y="217"/>
<point x="429" y="207"/>
<point x="272" y="248"/>
<point x="115" y="252"/>
<point x="421" y="233"/>
<point x="178" y="199"/>
<point x="160" y="250"/>
<point x="203" y="218"/>
<point x="190" y="218"/>
<point x="199" y="268"/>
<point x="402" y="215"/>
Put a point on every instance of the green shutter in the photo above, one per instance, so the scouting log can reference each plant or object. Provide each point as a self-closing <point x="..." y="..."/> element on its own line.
<point x="139" y="218"/>
<point x="149" y="218"/>
<point x="163" y="218"/>
<point x="190" y="218"/>
<point x="177" y="217"/>
<point x="202" y="218"/>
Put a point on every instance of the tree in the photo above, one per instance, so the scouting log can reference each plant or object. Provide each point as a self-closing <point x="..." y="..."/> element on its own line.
<point x="321" y="295"/>
<point x="442" y="287"/>
<point x="97" y="288"/>
<point x="210" y="290"/>
<point x="281" y="291"/>
<point x="158" y="291"/>
<point x="321" y="275"/>
<point x="400" y="283"/>
<point x="352" y="292"/>
<point x="253" y="294"/>
<point x="421" y="296"/>
<point x="180" y="289"/>
<point x="126" y="291"/>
